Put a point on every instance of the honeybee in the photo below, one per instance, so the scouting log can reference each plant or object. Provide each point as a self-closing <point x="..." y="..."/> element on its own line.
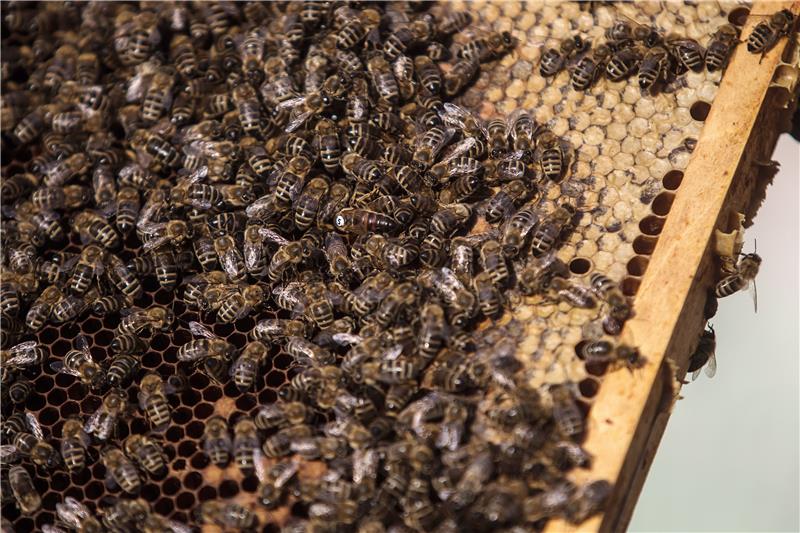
<point x="245" y="369"/>
<point x="63" y="170"/>
<point x="326" y="142"/>
<point x="102" y="422"/>
<point x="217" y="443"/>
<point x="568" y="417"/>
<point x="158" y="96"/>
<point x="489" y="300"/>
<point x="552" y="229"/>
<point x="517" y="229"/>
<point x="589" y="68"/>
<point x="210" y="346"/>
<point x="458" y="77"/>
<point x="721" y="46"/>
<point x="122" y="369"/>
<point x="360" y="221"/>
<point x="486" y="48"/>
<point x="34" y="446"/>
<point x="589" y="500"/>
<point x="22" y="355"/>
<point x="74" y="443"/>
<point x="79" y="362"/>
<point x="768" y="32"/>
<point x="77" y="516"/>
<point x="460" y="300"/>
<point x="653" y="68"/>
<point x="135" y="321"/>
<point x="704" y="355"/>
<point x="554" y="59"/>
<point x="493" y="262"/>
<point x="428" y="145"/>
<point x="120" y="471"/>
<point x="278" y="328"/>
<point x="273" y="481"/>
<point x="28" y="499"/>
<point x="742" y="277"/>
<point x="573" y="293"/>
<point x="246" y="445"/>
<point x="123" y="279"/>
<point x="604" y="351"/>
<point x="227" y="515"/>
<point x="230" y="258"/>
<point x="608" y="290"/>
<point x="94" y="227"/>
<point x="689" y="53"/>
<point x="89" y="264"/>
<point x="152" y="397"/>
<point x="624" y="62"/>
<point x="145" y="452"/>
<point x="307" y="353"/>
<point x="154" y="151"/>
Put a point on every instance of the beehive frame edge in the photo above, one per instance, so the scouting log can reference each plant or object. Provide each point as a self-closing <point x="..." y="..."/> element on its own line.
<point x="632" y="408"/>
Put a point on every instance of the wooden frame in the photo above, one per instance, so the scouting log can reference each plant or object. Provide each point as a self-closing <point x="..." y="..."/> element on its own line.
<point x="631" y="410"/>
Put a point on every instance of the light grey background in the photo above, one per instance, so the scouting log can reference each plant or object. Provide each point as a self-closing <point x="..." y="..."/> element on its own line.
<point x="729" y="458"/>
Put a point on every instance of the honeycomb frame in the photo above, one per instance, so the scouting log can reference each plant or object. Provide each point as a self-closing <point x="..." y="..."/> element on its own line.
<point x="191" y="480"/>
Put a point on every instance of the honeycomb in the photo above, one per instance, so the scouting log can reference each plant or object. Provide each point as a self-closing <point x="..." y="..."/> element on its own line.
<point x="629" y="152"/>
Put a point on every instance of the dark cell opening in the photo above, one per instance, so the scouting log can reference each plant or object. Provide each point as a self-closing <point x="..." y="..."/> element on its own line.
<point x="630" y="286"/>
<point x="187" y="448"/>
<point x="738" y="16"/>
<point x="185" y="500"/>
<point x="699" y="110"/>
<point x="663" y="203"/>
<point x="171" y="486"/>
<point x="245" y="403"/>
<point x="174" y="434"/>
<point x="579" y="265"/>
<point x="644" y="245"/>
<point x="203" y="410"/>
<point x="672" y="179"/>
<point x="193" y="480"/>
<point x="588" y="387"/>
<point x="163" y="506"/>
<point x="651" y="225"/>
<point x="637" y="265"/>
<point x="228" y="489"/>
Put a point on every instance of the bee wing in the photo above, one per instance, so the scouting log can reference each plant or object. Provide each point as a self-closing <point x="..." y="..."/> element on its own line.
<point x="22" y="354"/>
<point x="153" y="244"/>
<point x="298" y="121"/>
<point x="273" y="236"/>
<point x="392" y="352"/>
<point x="291" y="103"/>
<point x="711" y="366"/>
<point x="228" y="262"/>
<point x="252" y="255"/>
<point x="754" y="295"/>
<point x="177" y="527"/>
<point x="260" y="466"/>
<point x="454" y="115"/>
<point x="82" y="343"/>
<point x="72" y="512"/>
<point x="344" y="339"/>
<point x="458" y="149"/>
<point x="47" y="528"/>
<point x="93" y="422"/>
<point x="58" y="366"/>
<point x="8" y="453"/>
<point x="199" y="330"/>
<point x="261" y="205"/>
<point x="34" y="425"/>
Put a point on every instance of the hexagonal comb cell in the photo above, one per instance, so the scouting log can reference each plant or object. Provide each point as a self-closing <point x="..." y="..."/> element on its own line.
<point x="626" y="156"/>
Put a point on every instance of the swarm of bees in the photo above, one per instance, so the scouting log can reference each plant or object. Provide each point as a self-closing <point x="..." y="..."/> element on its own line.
<point x="657" y="59"/>
<point x="303" y="166"/>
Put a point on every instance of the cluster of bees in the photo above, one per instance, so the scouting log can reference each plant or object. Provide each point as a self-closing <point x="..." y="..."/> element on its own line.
<point x="306" y="159"/>
<point x="631" y="48"/>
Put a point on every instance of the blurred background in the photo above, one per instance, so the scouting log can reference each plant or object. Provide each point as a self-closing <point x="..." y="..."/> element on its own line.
<point x="729" y="457"/>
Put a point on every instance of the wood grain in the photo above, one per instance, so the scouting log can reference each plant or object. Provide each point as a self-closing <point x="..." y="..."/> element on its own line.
<point x="632" y="408"/>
